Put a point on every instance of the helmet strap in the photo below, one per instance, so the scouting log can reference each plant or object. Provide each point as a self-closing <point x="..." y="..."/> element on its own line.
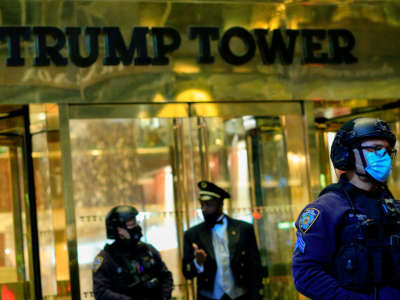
<point x="363" y="161"/>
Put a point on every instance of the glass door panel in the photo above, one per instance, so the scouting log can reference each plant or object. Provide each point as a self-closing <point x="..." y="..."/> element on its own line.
<point x="257" y="152"/>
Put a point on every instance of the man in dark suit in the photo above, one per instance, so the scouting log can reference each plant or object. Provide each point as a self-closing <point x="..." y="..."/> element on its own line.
<point x="222" y="252"/>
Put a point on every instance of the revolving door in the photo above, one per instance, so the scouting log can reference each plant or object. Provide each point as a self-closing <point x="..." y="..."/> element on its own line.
<point x="152" y="156"/>
<point x="20" y="275"/>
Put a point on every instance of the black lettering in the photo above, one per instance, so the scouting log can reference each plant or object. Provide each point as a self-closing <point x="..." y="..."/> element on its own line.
<point x="309" y="46"/>
<point x="204" y="34"/>
<point x="159" y="45"/>
<point x="115" y="43"/>
<point x="226" y="52"/>
<point x="45" y="54"/>
<point x="268" y="54"/>
<point x="14" y="35"/>
<point x="341" y="54"/>
<point x="92" y="34"/>
<point x="50" y="41"/>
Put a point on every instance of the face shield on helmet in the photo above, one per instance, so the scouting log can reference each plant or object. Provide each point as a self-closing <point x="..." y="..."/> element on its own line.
<point x="376" y="160"/>
<point x="117" y="217"/>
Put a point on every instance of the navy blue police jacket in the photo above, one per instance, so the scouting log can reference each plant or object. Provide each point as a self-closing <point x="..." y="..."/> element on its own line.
<point x="318" y="228"/>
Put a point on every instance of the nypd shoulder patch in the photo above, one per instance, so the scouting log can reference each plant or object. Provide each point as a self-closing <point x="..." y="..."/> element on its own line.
<point x="98" y="261"/>
<point x="307" y="218"/>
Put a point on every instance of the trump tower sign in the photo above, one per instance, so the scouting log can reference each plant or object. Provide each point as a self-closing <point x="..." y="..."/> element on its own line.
<point x="60" y="47"/>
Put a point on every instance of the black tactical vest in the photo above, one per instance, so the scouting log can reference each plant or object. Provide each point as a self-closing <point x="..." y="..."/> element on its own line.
<point x="138" y="274"/>
<point x="368" y="254"/>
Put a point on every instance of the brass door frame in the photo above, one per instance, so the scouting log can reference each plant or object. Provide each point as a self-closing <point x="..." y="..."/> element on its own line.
<point x="70" y="221"/>
<point x="237" y="109"/>
<point x="17" y="207"/>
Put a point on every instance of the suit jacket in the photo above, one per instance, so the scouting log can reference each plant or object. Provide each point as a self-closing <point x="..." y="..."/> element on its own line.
<point x="243" y="253"/>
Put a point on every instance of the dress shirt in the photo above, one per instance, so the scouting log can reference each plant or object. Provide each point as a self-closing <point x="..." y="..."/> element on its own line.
<point x="224" y="282"/>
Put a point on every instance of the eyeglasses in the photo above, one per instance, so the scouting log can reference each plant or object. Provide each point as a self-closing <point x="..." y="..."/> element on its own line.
<point x="377" y="149"/>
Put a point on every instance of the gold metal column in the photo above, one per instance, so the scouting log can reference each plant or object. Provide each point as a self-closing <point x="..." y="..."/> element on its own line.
<point x="69" y="201"/>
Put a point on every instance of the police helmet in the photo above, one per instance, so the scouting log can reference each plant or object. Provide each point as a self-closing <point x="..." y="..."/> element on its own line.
<point x="350" y="136"/>
<point x="117" y="217"/>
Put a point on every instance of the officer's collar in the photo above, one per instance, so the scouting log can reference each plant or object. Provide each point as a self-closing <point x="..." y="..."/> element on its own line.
<point x="354" y="191"/>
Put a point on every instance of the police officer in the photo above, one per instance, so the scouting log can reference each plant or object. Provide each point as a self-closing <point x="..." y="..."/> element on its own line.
<point x="129" y="269"/>
<point x="348" y="239"/>
<point x="221" y="252"/>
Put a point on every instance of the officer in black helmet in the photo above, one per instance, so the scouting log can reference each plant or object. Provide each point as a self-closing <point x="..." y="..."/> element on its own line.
<point x="129" y="269"/>
<point x="348" y="240"/>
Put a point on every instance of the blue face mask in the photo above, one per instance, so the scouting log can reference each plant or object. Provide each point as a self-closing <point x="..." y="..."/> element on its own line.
<point x="379" y="165"/>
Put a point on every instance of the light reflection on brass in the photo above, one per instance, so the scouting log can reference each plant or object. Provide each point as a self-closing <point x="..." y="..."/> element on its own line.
<point x="129" y="111"/>
<point x="243" y="109"/>
<point x="192" y="94"/>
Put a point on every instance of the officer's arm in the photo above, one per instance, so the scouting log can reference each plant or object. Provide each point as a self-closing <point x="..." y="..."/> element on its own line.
<point x="255" y="265"/>
<point x="165" y="276"/>
<point x="102" y="283"/>
<point x="314" y="253"/>
<point x="189" y="269"/>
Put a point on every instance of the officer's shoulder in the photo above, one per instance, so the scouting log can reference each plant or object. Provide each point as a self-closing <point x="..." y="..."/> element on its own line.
<point x="331" y="195"/>
<point x="101" y="253"/>
<point x="110" y="249"/>
<point x="143" y="245"/>
<point x="98" y="260"/>
<point x="147" y="247"/>
<point x="332" y="204"/>
<point x="335" y="188"/>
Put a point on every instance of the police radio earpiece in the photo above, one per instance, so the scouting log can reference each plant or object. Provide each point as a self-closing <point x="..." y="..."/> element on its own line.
<point x="341" y="155"/>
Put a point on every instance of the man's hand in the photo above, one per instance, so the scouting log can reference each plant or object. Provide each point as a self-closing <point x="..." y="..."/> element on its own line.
<point x="123" y="233"/>
<point x="199" y="254"/>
